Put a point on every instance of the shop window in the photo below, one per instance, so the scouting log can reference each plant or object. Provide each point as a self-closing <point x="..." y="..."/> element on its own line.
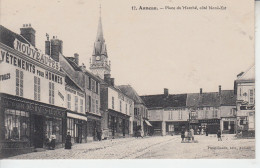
<point x="19" y="83"/>
<point x="113" y="103"/>
<point x="37" y="89"/>
<point x="225" y="125"/>
<point x="16" y="125"/>
<point x="70" y="126"/>
<point x="51" y="93"/>
<point x="69" y="101"/>
<point x="54" y="126"/>
<point x="81" y="105"/>
<point x="76" y="103"/>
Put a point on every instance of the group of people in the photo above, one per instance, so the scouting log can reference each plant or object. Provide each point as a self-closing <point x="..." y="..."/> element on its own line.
<point x="51" y="141"/>
<point x="190" y="134"/>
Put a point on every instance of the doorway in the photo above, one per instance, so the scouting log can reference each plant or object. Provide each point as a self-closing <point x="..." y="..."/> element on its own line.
<point x="38" y="137"/>
<point x="232" y="127"/>
<point x="78" y="133"/>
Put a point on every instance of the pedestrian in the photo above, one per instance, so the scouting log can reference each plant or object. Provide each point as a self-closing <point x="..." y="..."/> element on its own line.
<point x="182" y="135"/>
<point x="68" y="141"/>
<point x="206" y="131"/>
<point x="219" y="135"/>
<point x="192" y="134"/>
<point x="202" y="131"/>
<point x="53" y="141"/>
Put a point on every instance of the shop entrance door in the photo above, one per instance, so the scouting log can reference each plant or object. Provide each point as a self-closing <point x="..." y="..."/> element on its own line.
<point x="78" y="132"/>
<point x="232" y="127"/>
<point x="38" y="137"/>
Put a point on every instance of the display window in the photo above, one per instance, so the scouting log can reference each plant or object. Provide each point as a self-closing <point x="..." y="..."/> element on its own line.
<point x="16" y="125"/>
<point x="54" y="126"/>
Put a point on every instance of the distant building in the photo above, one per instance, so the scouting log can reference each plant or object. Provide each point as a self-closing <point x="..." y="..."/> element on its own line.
<point x="213" y="111"/>
<point x="245" y="95"/>
<point x="140" y="116"/>
<point x="167" y="113"/>
<point x="172" y="113"/>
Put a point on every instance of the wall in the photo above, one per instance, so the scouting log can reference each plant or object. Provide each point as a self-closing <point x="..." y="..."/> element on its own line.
<point x="9" y="85"/>
<point x="243" y="91"/>
<point x="81" y="96"/>
<point x="173" y="114"/>
<point x="155" y="114"/>
<point x="118" y="96"/>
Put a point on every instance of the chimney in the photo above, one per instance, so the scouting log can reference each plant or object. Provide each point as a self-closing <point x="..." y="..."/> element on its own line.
<point x="166" y="92"/>
<point x="28" y="33"/>
<point x="47" y="47"/>
<point x="200" y="90"/>
<point x="219" y="89"/>
<point x="107" y="78"/>
<point x="56" y="48"/>
<point x="76" y="56"/>
<point x="112" y="81"/>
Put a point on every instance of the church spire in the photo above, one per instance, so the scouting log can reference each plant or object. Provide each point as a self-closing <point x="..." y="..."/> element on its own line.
<point x="100" y="29"/>
<point x="99" y="63"/>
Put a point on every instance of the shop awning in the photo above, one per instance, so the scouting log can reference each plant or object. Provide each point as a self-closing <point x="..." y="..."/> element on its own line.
<point x="77" y="116"/>
<point x="148" y="123"/>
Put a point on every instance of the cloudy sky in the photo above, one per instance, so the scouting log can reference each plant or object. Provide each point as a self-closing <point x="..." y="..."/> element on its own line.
<point x="182" y="50"/>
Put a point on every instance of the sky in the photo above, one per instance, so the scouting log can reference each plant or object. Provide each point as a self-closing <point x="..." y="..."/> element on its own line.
<point x="182" y="50"/>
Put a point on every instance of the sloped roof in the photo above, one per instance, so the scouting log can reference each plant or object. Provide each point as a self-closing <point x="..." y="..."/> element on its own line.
<point x="228" y="97"/>
<point x="211" y="99"/>
<point x="73" y="64"/>
<point x="7" y="37"/>
<point x="163" y="101"/>
<point x="249" y="74"/>
<point x="193" y="99"/>
<point x="69" y="82"/>
<point x="129" y="91"/>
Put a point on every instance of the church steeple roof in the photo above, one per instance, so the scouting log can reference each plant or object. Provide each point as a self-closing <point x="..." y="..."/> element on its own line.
<point x="99" y="45"/>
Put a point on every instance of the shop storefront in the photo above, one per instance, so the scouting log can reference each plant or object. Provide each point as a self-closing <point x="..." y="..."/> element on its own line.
<point x="176" y="127"/>
<point x="228" y="125"/>
<point x="93" y="131"/>
<point x="26" y="124"/>
<point x="118" y="124"/>
<point x="77" y="127"/>
<point x="212" y="125"/>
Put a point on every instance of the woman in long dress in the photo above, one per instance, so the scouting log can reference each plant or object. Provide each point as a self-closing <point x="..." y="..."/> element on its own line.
<point x="68" y="141"/>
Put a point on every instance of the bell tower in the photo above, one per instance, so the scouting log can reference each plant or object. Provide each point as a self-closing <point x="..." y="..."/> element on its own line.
<point x="100" y="64"/>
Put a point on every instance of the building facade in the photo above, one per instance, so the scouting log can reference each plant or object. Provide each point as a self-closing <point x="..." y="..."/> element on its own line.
<point x="116" y="110"/>
<point x="90" y="85"/>
<point x="167" y="113"/>
<point x="245" y="102"/>
<point x="32" y="93"/>
<point x="140" y="116"/>
<point x="170" y="114"/>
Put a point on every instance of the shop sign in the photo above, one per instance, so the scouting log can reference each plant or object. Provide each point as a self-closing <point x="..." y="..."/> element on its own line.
<point x="5" y="77"/>
<point x="37" y="55"/>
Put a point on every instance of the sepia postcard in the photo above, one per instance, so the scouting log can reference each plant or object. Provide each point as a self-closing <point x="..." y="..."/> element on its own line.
<point x="129" y="79"/>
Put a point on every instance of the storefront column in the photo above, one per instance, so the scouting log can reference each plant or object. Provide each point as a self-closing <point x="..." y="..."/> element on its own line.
<point x="163" y="128"/>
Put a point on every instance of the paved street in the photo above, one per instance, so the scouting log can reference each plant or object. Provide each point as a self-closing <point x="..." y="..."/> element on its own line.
<point x="168" y="147"/>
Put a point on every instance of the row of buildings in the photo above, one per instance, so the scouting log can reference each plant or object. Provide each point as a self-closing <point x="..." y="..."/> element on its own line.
<point x="49" y="93"/>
